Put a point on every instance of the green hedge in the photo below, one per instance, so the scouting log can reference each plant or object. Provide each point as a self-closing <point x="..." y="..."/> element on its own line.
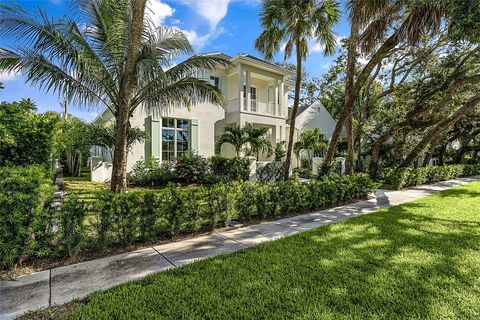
<point x="407" y="177"/>
<point x="25" y="219"/>
<point x="189" y="168"/>
<point x="110" y="220"/>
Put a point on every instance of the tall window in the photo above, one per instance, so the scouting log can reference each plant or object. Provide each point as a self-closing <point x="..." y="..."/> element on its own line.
<point x="215" y="81"/>
<point x="175" y="137"/>
<point x="253" y="98"/>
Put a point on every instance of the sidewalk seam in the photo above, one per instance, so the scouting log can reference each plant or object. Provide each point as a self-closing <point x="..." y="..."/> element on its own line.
<point x="50" y="287"/>
<point x="221" y="235"/>
<point x="168" y="260"/>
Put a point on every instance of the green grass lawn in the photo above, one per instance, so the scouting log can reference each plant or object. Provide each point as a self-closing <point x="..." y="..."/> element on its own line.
<point x="420" y="260"/>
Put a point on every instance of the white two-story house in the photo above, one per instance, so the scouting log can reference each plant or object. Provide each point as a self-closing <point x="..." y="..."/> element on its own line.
<point x="256" y="93"/>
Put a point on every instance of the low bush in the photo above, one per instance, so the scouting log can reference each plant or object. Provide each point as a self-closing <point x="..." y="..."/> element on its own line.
<point x="229" y="169"/>
<point x="406" y="177"/>
<point x="26" y="226"/>
<point x="189" y="168"/>
<point x="271" y="172"/>
<point x="139" y="216"/>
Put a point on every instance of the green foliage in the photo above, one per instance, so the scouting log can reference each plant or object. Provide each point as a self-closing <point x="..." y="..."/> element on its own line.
<point x="270" y="172"/>
<point x="150" y="173"/>
<point x="415" y="261"/>
<point x="120" y="219"/>
<point x="25" y="220"/>
<point x="189" y="169"/>
<point x="229" y="169"/>
<point x="279" y="151"/>
<point x="72" y="142"/>
<point x="253" y="139"/>
<point x="405" y="177"/>
<point x="25" y="137"/>
<point x="71" y="223"/>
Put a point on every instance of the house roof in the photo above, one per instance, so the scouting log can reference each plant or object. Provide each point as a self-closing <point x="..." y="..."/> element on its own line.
<point x="251" y="58"/>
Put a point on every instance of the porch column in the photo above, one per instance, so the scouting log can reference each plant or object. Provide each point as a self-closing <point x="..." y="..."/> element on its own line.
<point x="281" y="98"/>
<point x="240" y="86"/>
<point x="278" y="134"/>
<point x="275" y="98"/>
<point x="248" y="90"/>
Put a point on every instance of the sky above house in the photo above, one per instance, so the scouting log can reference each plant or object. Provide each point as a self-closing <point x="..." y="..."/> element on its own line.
<point x="229" y="26"/>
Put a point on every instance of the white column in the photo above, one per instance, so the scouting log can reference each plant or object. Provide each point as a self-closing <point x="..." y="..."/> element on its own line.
<point x="281" y="95"/>
<point x="240" y="86"/>
<point x="275" y="98"/>
<point x="249" y="92"/>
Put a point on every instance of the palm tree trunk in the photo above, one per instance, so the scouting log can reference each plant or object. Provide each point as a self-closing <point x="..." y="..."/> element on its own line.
<point x="296" y="101"/>
<point x="378" y="144"/>
<point x="435" y="132"/>
<point x="119" y="172"/>
<point x="351" y="95"/>
<point x="350" y="145"/>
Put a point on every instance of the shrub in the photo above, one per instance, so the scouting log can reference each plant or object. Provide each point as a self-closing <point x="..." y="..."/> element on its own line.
<point x="26" y="194"/>
<point x="406" y="177"/>
<point x="191" y="168"/>
<point x="230" y="169"/>
<point x="151" y="173"/>
<point x="125" y="218"/>
<point x="271" y="172"/>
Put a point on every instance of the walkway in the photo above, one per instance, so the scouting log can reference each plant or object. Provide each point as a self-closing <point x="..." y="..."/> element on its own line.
<point x="60" y="285"/>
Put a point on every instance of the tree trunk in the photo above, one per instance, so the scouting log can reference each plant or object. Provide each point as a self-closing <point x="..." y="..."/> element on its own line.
<point x="436" y="131"/>
<point x="351" y="95"/>
<point x="296" y="101"/>
<point x="378" y="144"/>
<point x="119" y="172"/>
<point x="349" y="166"/>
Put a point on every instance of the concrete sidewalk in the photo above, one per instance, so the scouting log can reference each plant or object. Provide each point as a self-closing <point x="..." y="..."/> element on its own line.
<point x="60" y="285"/>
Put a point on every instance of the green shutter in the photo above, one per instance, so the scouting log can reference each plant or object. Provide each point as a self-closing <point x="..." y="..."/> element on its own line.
<point x="194" y="135"/>
<point x="224" y="86"/>
<point x="152" y="147"/>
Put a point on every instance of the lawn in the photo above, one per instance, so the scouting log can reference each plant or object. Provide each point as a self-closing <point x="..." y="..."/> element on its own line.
<point x="420" y="260"/>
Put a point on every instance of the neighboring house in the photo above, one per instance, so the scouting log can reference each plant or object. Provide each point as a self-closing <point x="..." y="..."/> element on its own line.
<point x="256" y="92"/>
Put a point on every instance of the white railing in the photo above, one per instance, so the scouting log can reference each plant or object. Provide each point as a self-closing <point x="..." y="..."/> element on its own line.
<point x="263" y="108"/>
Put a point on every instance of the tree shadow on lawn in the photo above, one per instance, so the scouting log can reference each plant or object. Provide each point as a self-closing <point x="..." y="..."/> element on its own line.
<point x="404" y="262"/>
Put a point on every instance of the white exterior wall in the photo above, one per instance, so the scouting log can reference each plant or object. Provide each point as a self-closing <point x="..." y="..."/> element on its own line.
<point x="316" y="116"/>
<point x="206" y="114"/>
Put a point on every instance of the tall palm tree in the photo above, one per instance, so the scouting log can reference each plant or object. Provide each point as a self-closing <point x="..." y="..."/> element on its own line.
<point x="410" y="20"/>
<point x="112" y="56"/>
<point x="257" y="140"/>
<point x="294" y="23"/>
<point x="311" y="140"/>
<point x="234" y="136"/>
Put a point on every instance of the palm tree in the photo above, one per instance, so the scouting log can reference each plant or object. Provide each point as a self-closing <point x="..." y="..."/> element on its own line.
<point x="294" y="23"/>
<point x="311" y="140"/>
<point x="376" y="18"/>
<point x="112" y="56"/>
<point x="258" y="141"/>
<point x="235" y="136"/>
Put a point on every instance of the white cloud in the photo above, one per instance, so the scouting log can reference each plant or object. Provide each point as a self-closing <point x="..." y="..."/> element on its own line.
<point x="199" y="41"/>
<point x="213" y="11"/>
<point x="7" y="76"/>
<point x="158" y="11"/>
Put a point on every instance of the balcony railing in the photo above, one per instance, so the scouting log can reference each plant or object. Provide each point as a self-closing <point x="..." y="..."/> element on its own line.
<point x="256" y="106"/>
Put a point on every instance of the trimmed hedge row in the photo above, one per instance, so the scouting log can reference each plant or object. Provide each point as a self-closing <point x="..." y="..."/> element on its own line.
<point x="26" y="194"/>
<point x="407" y="177"/>
<point x="110" y="220"/>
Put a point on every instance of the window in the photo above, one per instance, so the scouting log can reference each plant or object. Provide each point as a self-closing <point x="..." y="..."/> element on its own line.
<point x="175" y="138"/>
<point x="253" y="98"/>
<point x="215" y="81"/>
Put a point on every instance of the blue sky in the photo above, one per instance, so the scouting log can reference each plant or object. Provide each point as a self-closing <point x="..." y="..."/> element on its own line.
<point x="230" y="26"/>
